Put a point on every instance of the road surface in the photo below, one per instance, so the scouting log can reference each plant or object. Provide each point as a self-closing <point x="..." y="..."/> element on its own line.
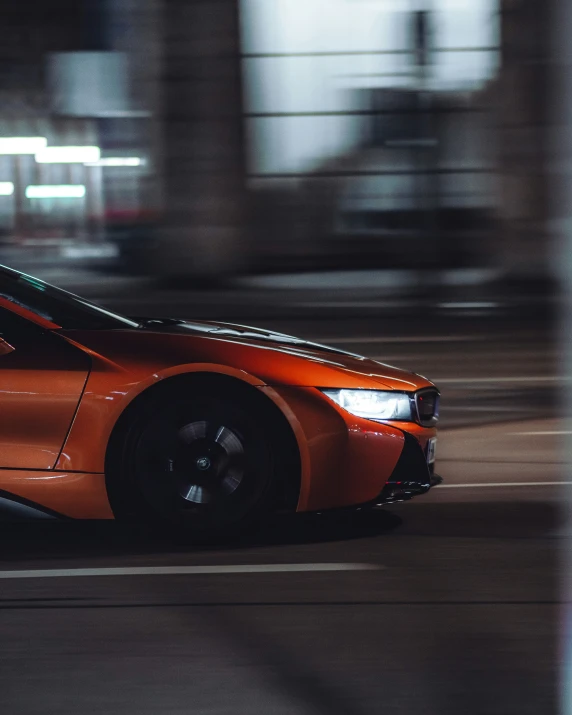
<point x="447" y="604"/>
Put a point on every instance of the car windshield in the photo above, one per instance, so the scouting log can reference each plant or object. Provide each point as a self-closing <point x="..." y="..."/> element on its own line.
<point x="58" y="306"/>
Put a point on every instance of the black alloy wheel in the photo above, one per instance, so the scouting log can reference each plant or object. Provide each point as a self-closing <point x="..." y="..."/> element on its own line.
<point x="202" y="464"/>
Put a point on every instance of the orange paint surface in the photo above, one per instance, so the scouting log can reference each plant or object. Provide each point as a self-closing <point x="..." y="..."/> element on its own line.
<point x="61" y="400"/>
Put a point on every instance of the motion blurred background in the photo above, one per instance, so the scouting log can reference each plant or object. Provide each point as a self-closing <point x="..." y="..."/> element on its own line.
<point x="390" y="176"/>
<point x="279" y="143"/>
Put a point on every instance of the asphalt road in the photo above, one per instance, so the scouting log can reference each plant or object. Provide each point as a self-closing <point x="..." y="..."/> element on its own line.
<point x="447" y="604"/>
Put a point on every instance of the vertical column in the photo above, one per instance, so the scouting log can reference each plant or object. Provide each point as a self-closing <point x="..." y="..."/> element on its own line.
<point x="204" y="168"/>
<point x="524" y="245"/>
<point x="19" y="199"/>
<point x="136" y="29"/>
<point x="561" y="215"/>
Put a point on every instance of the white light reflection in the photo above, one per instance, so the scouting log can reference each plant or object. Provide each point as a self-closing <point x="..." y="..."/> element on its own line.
<point x="117" y="161"/>
<point x="22" y="145"/>
<point x="68" y="155"/>
<point x="60" y="191"/>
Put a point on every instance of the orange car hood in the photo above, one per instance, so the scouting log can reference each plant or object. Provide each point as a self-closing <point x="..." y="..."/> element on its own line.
<point x="273" y="358"/>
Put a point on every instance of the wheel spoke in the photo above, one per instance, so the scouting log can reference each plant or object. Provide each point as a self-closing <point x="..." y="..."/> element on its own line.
<point x="192" y="432"/>
<point x="229" y="441"/>
<point x="232" y="481"/>
<point x="197" y="494"/>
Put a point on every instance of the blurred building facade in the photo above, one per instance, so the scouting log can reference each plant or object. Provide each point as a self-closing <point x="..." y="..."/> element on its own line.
<point x="271" y="134"/>
<point x="371" y="123"/>
<point x="67" y="80"/>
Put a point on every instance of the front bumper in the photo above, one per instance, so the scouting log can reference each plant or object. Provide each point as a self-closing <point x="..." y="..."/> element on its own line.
<point x="412" y="475"/>
<point x="348" y="461"/>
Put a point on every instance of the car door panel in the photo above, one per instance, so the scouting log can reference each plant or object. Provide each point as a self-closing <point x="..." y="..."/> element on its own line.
<point x="41" y="382"/>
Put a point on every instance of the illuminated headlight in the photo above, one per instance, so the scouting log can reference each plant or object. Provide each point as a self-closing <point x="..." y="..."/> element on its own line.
<point x="373" y="404"/>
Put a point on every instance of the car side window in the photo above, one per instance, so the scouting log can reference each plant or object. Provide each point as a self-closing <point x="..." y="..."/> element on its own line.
<point x="13" y="327"/>
<point x="31" y="345"/>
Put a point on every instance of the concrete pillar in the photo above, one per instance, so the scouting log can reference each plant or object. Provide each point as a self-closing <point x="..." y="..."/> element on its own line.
<point x="561" y="215"/>
<point x="203" y="145"/>
<point x="524" y="243"/>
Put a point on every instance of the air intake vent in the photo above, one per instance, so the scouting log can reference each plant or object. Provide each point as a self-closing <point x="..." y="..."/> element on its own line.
<point x="427" y="406"/>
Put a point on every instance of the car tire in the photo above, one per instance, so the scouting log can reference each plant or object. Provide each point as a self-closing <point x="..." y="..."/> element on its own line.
<point x="201" y="464"/>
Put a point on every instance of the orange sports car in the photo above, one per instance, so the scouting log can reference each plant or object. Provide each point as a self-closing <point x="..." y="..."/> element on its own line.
<point x="194" y="425"/>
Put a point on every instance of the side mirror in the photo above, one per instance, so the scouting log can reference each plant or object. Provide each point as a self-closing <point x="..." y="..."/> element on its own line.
<point x="5" y="348"/>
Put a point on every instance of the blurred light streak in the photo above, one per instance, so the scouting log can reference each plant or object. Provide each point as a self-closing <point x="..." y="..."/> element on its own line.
<point x="6" y="188"/>
<point x="68" y="155"/>
<point x="61" y="191"/>
<point x="117" y="161"/>
<point x="22" y="145"/>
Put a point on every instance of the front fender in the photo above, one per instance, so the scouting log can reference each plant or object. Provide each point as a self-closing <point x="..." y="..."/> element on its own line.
<point x="108" y="393"/>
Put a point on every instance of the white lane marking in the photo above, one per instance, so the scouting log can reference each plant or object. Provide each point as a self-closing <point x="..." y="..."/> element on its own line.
<point x="187" y="570"/>
<point x="494" y="380"/>
<point x="531" y="434"/>
<point x="503" y="484"/>
<point x="408" y="339"/>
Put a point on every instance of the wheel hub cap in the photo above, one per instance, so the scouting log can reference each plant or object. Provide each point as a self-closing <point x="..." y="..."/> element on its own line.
<point x="209" y="463"/>
<point x="203" y="464"/>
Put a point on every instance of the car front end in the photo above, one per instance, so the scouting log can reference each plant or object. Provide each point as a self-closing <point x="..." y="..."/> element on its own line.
<point x="363" y="446"/>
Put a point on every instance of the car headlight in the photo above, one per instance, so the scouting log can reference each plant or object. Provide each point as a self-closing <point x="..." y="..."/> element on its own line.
<point x="373" y="404"/>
